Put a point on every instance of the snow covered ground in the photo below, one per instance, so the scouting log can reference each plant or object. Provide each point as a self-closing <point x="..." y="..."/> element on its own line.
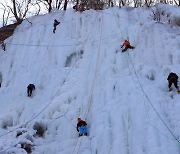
<point x="80" y="71"/>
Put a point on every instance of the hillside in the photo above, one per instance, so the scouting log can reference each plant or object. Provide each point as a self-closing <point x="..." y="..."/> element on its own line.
<point x="80" y="71"/>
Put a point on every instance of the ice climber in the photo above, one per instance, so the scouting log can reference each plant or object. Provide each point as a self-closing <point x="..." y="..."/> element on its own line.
<point x="55" y="24"/>
<point x="30" y="88"/>
<point x="127" y="45"/>
<point x="173" y="79"/>
<point x="3" y="45"/>
<point x="82" y="125"/>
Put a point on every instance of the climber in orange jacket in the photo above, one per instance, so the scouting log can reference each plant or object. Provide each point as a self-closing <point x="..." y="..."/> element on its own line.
<point x="127" y="45"/>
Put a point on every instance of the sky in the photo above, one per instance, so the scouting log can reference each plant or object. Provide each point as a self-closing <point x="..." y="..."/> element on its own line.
<point x="30" y="13"/>
<point x="80" y="71"/>
<point x="11" y="17"/>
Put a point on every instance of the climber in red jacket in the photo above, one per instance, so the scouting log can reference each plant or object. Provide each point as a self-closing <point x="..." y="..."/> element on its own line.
<point x="127" y="45"/>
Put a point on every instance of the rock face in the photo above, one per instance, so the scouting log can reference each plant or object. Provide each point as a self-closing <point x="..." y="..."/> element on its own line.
<point x="7" y="31"/>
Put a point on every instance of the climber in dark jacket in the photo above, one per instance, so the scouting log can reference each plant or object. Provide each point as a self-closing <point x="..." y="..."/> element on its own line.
<point x="30" y="88"/>
<point x="82" y="125"/>
<point x="55" y="24"/>
<point x="3" y="45"/>
<point x="173" y="79"/>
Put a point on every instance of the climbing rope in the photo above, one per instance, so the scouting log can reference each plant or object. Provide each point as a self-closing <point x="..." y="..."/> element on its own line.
<point x="47" y="104"/>
<point x="96" y="68"/>
<point x="152" y="124"/>
<point x="45" y="56"/>
<point x="82" y="101"/>
<point x="146" y="107"/>
<point x="34" y="117"/>
<point x="61" y="45"/>
<point x="151" y="102"/>
<point x="50" y="101"/>
<point x="91" y="90"/>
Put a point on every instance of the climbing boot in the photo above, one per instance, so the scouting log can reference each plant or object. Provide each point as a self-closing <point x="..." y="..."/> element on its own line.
<point x="170" y="89"/>
<point x="178" y="90"/>
<point x="85" y="134"/>
<point x="80" y="135"/>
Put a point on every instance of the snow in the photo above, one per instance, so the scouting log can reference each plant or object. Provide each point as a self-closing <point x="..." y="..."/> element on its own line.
<point x="80" y="71"/>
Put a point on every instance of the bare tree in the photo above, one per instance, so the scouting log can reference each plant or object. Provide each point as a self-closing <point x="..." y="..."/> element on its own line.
<point x="47" y="4"/>
<point x="148" y="3"/>
<point x="36" y="8"/>
<point x="138" y="3"/>
<point x="50" y="4"/>
<point x="109" y="3"/>
<point x="65" y="4"/>
<point x="19" y="9"/>
<point x="82" y="5"/>
<point x="177" y="2"/>
<point x="59" y="2"/>
<point x="5" y="14"/>
<point x="122" y="3"/>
